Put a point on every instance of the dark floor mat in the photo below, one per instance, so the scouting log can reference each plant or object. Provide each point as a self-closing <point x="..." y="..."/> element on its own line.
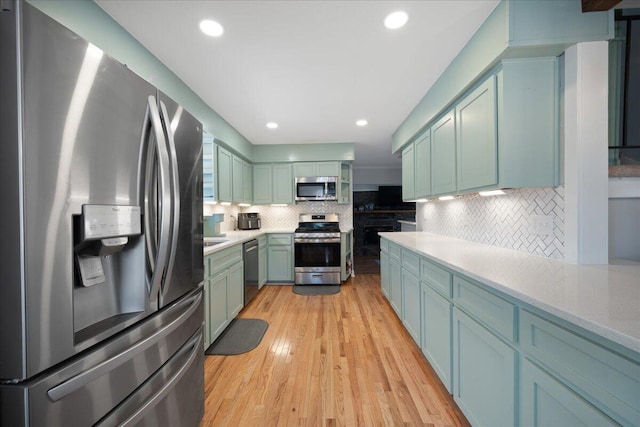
<point x="316" y="289"/>
<point x="241" y="336"/>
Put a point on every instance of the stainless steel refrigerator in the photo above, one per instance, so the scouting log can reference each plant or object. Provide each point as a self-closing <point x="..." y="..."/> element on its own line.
<point x="101" y="308"/>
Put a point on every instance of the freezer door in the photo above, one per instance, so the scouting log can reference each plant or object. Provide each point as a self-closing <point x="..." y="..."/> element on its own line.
<point x="75" y="131"/>
<point x="186" y="267"/>
<point x="139" y="375"/>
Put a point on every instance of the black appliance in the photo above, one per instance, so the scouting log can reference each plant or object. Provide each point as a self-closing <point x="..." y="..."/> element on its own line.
<point x="250" y="260"/>
<point x="317" y="250"/>
<point x="249" y="221"/>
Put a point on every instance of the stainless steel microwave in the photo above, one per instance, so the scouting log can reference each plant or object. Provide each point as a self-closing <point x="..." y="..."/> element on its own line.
<point x="316" y="188"/>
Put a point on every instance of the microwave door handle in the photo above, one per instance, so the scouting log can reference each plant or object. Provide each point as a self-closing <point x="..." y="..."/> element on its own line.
<point x="164" y="199"/>
<point x="175" y="191"/>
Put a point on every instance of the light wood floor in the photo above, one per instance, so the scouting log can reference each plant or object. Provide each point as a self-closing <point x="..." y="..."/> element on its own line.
<point x="334" y="360"/>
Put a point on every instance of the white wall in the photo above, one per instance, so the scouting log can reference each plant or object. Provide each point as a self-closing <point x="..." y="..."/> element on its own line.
<point x="368" y="179"/>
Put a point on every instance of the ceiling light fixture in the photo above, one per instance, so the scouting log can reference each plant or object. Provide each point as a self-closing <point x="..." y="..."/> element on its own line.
<point x="446" y="198"/>
<point x="396" y="20"/>
<point x="362" y="122"/>
<point x="491" y="193"/>
<point x="272" y="125"/>
<point x="211" y="28"/>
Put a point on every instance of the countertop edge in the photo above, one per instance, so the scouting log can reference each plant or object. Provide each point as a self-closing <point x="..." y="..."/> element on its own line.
<point x="605" y="331"/>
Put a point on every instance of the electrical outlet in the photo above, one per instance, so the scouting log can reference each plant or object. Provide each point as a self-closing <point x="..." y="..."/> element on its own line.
<point x="541" y="224"/>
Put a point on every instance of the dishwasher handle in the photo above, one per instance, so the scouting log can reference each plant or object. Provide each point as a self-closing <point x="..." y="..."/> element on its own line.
<point x="250" y="245"/>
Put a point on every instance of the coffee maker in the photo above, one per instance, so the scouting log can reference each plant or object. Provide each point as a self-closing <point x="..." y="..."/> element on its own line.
<point x="248" y="221"/>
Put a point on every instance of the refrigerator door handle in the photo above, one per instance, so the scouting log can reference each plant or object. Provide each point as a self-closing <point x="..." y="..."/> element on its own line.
<point x="75" y="383"/>
<point x="164" y="201"/>
<point x="194" y="346"/>
<point x="175" y="190"/>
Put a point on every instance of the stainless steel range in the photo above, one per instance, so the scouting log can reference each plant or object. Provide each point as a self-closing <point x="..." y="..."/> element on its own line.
<point x="317" y="250"/>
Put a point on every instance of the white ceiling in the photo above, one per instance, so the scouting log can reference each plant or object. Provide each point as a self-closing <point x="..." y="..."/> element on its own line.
<point x="314" y="67"/>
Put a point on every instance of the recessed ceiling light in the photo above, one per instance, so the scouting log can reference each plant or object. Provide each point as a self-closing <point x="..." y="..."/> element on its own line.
<point x="362" y="122"/>
<point x="272" y="125"/>
<point x="211" y="28"/>
<point x="396" y="20"/>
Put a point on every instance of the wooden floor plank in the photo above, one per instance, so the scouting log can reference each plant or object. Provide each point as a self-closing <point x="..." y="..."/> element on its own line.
<point x="342" y="359"/>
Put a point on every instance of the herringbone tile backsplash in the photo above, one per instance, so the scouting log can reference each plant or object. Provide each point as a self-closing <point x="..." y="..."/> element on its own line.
<point x="507" y="221"/>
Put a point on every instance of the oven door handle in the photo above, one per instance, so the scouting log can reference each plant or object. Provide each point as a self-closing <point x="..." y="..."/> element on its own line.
<point x="319" y="240"/>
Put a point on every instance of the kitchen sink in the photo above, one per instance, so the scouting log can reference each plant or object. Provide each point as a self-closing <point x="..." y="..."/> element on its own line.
<point x="213" y="241"/>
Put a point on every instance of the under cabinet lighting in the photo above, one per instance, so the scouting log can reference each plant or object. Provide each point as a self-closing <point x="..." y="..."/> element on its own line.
<point x="446" y="198"/>
<point x="244" y="205"/>
<point x="492" y="193"/>
<point x="225" y="203"/>
<point x="211" y="202"/>
<point x="279" y="205"/>
<point x="422" y="200"/>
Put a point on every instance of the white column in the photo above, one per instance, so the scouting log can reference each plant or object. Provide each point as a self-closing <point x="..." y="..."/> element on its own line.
<point x="585" y="153"/>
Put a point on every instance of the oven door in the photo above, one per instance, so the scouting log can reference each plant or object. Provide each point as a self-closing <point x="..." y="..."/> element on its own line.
<point x="317" y="261"/>
<point x="317" y="253"/>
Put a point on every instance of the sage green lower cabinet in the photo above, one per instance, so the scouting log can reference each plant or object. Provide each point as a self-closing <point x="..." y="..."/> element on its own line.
<point x="218" y="319"/>
<point x="280" y="257"/>
<point x="608" y="380"/>
<point x="235" y="290"/>
<point x="346" y="259"/>
<point x="436" y="333"/>
<point x="484" y="372"/>
<point x="506" y="362"/>
<point x="395" y="287"/>
<point x="384" y="274"/>
<point x="546" y="401"/>
<point x="224" y="290"/>
<point x="411" y="304"/>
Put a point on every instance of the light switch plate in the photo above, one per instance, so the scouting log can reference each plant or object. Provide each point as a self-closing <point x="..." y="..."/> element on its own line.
<point x="541" y="224"/>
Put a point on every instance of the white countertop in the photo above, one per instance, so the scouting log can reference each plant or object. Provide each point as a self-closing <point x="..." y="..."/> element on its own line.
<point x="603" y="299"/>
<point x="402" y="221"/>
<point x="240" y="236"/>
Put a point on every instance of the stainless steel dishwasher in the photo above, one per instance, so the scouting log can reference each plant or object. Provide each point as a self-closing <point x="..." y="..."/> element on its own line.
<point x="250" y="258"/>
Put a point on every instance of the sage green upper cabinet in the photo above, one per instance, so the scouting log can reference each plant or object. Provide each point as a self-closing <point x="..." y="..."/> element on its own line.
<point x="416" y="168"/>
<point x="247" y="182"/>
<point x="528" y="122"/>
<point x="237" y="185"/>
<point x="208" y="169"/>
<point x="272" y="183"/>
<point x="408" y="173"/>
<point x="224" y="175"/>
<point x="477" y="148"/>
<point x="422" y="165"/>
<point x="344" y="186"/>
<point x="316" y="169"/>
<point x="443" y="155"/>
<point x="242" y="185"/>
<point x="262" y="184"/>
<point x="282" y="183"/>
